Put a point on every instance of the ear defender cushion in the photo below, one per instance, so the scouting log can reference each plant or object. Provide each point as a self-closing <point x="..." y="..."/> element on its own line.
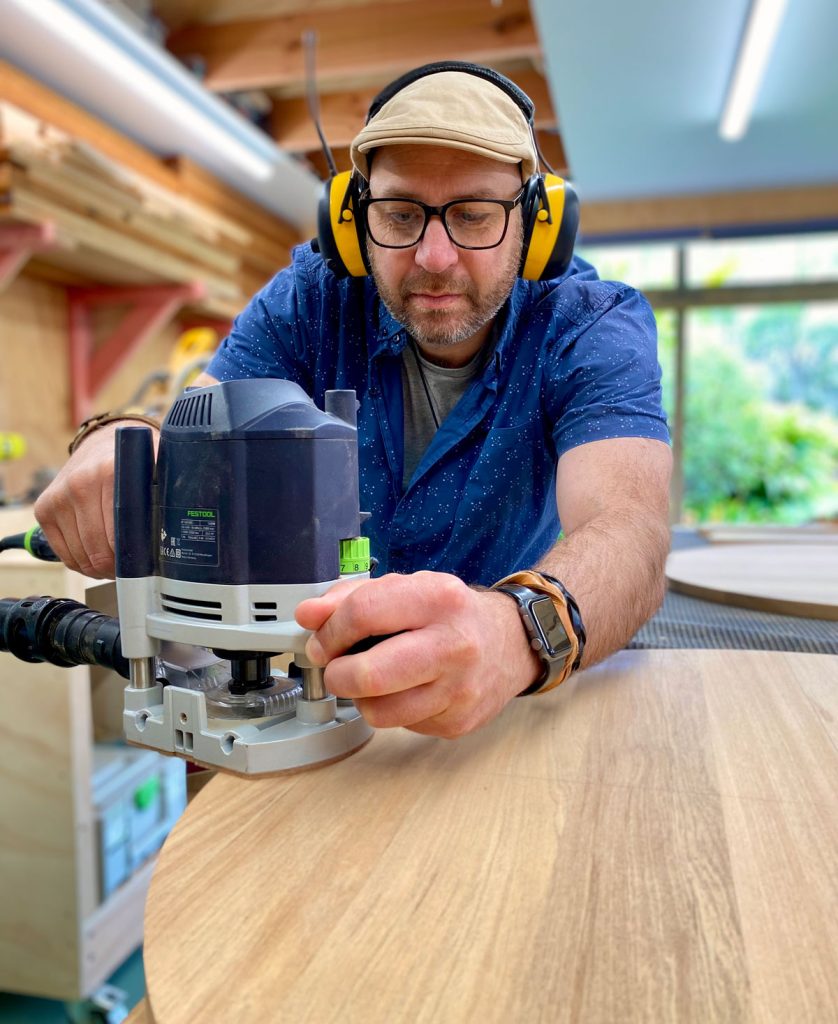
<point x="549" y="228"/>
<point x="340" y="230"/>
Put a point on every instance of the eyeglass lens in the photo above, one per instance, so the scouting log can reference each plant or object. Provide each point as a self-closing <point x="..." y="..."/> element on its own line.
<point x="477" y="224"/>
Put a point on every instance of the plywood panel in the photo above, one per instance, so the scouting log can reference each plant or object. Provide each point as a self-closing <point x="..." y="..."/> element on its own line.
<point x="48" y="872"/>
<point x="34" y="385"/>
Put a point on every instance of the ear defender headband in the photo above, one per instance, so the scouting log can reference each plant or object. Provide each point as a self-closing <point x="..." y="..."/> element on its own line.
<point x="549" y="207"/>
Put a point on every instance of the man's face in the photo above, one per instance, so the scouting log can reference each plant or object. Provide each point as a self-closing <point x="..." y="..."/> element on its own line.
<point x="445" y="296"/>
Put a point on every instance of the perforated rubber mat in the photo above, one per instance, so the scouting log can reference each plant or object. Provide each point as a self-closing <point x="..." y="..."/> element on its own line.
<point x="684" y="621"/>
<point x="689" y="622"/>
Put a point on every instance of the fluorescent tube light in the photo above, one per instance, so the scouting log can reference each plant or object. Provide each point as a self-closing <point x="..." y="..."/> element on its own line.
<point x="757" y="43"/>
<point x="151" y="90"/>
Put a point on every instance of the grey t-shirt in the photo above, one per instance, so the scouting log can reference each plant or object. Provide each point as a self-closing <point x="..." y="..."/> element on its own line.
<point x="445" y="386"/>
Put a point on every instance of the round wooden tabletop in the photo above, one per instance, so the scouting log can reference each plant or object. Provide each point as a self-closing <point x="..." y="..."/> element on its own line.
<point x="656" y="840"/>
<point x="786" y="579"/>
<point x="745" y="533"/>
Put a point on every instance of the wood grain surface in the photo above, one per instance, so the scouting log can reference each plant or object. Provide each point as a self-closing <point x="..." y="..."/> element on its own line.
<point x="140" y="1014"/>
<point x="656" y="841"/>
<point x="786" y="579"/>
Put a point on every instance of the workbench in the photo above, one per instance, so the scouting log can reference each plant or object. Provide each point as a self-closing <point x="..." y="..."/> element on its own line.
<point x="657" y="840"/>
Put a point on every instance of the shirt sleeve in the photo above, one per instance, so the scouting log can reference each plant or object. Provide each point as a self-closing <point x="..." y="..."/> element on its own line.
<point x="269" y="337"/>
<point x="604" y="377"/>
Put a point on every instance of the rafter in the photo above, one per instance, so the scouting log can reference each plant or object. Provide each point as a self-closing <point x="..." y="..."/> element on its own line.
<point x="552" y="149"/>
<point x="268" y="52"/>
<point x="670" y="216"/>
<point x="342" y="114"/>
<point x="341" y="117"/>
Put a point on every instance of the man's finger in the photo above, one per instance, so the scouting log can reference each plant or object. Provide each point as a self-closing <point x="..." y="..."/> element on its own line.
<point x="108" y="513"/>
<point x="390" y="604"/>
<point x="68" y="528"/>
<point x="59" y="545"/>
<point x="394" y="665"/>
<point x="409" y="709"/>
<point x="313" y="612"/>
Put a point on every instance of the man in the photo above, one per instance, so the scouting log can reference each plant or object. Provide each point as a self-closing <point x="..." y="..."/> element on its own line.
<point x="493" y="413"/>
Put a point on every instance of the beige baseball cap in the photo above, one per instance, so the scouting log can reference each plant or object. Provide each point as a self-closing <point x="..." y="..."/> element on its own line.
<point x="451" y="108"/>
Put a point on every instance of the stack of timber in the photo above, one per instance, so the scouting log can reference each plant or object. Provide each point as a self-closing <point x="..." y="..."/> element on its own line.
<point x="116" y="225"/>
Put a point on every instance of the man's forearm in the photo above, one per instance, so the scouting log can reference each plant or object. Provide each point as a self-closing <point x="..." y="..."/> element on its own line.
<point x="614" y="568"/>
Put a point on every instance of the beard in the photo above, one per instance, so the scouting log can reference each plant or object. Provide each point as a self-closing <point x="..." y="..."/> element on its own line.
<point x="444" y="327"/>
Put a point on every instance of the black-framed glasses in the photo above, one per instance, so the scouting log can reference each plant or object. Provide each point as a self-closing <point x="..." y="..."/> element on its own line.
<point x="469" y="223"/>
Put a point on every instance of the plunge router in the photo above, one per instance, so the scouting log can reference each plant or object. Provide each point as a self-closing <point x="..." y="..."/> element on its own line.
<point x="250" y="507"/>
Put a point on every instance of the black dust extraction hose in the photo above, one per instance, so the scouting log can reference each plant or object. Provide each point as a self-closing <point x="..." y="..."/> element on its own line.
<point x="60" y="631"/>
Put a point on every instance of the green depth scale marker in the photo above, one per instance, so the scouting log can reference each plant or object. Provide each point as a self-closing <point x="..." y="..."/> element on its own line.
<point x="354" y="555"/>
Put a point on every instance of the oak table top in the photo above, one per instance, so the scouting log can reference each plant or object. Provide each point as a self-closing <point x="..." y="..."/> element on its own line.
<point x="657" y="840"/>
<point x="786" y="579"/>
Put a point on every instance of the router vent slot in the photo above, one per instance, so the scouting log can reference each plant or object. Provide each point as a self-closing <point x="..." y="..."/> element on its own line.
<point x="260" y="611"/>
<point x="192" y="608"/>
<point x="191" y="411"/>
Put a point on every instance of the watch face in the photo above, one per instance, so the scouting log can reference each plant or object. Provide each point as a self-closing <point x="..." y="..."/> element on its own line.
<point x="551" y="625"/>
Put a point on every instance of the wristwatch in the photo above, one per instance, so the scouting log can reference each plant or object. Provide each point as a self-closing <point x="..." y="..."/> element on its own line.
<point x="547" y="633"/>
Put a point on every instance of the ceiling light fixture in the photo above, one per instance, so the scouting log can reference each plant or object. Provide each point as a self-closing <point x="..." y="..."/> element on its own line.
<point x="166" y="88"/>
<point x="758" y="39"/>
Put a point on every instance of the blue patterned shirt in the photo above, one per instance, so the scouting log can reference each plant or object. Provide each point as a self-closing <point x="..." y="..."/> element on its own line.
<point x="574" y="360"/>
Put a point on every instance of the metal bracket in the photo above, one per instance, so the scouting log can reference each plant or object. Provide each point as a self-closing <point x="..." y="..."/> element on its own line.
<point x="151" y="308"/>
<point x="18" y="243"/>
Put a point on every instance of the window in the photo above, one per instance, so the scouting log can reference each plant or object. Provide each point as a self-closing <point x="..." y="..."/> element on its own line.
<point x="760" y="383"/>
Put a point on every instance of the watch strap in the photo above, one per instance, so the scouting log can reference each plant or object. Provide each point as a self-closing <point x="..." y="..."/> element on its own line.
<point x="548" y="585"/>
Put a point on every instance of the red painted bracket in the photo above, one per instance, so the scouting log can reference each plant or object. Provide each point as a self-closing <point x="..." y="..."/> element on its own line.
<point x="150" y="309"/>
<point x="18" y="243"/>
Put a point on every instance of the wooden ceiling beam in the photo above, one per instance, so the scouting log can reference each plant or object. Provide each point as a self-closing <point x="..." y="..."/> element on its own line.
<point x="687" y="215"/>
<point x="552" y="149"/>
<point x="318" y="164"/>
<point x="342" y="114"/>
<point x="268" y="53"/>
<point x="536" y="87"/>
<point x="341" y="117"/>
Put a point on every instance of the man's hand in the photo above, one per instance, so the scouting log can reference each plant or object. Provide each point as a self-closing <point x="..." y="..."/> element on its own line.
<point x="458" y="657"/>
<point x="76" y="510"/>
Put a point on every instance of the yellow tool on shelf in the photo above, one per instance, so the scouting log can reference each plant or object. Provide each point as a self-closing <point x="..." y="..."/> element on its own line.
<point x="189" y="356"/>
<point x="12" y="446"/>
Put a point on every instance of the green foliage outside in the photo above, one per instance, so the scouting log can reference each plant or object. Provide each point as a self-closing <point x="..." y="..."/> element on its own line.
<point x="761" y="416"/>
<point x="754" y="452"/>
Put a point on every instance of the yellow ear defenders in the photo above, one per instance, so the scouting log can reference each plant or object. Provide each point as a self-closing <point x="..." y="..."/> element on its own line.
<point x="341" y="232"/>
<point x="550" y="206"/>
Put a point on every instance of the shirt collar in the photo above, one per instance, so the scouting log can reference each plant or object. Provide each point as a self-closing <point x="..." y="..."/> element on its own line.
<point x="388" y="335"/>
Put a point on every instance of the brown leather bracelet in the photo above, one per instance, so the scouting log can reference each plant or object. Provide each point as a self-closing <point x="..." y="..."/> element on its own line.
<point x="93" y="423"/>
<point x="535" y="581"/>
